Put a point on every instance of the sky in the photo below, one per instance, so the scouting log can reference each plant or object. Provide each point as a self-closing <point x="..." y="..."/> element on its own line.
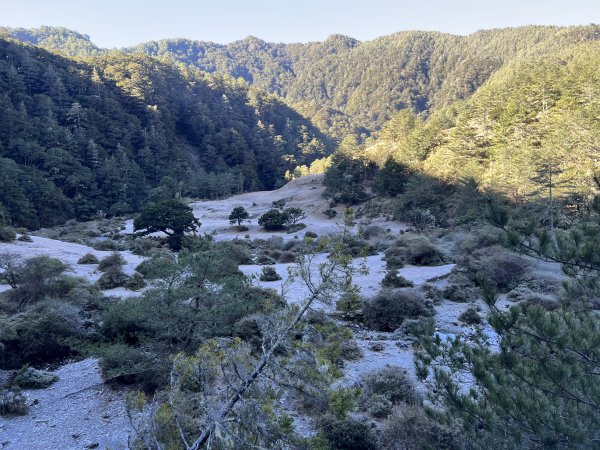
<point x="120" y="23"/>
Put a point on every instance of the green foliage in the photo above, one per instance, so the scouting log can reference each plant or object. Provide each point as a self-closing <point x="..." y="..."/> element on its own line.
<point x="33" y="279"/>
<point x="538" y="388"/>
<point x="30" y="378"/>
<point x="470" y="316"/>
<point x="238" y="215"/>
<point x="273" y="219"/>
<point x="170" y="217"/>
<point x="391" y="383"/>
<point x="388" y="309"/>
<point x="82" y="139"/>
<point x="7" y="234"/>
<point x="88" y="258"/>
<point x="269" y="273"/>
<point x="393" y="279"/>
<point x="390" y="179"/>
<point x="12" y="403"/>
<point x="348" y="433"/>
<point x="113" y="277"/>
<point x="115" y="260"/>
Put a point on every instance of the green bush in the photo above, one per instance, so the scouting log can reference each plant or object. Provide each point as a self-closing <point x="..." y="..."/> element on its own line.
<point x="88" y="258"/>
<point x="110" y="262"/>
<point x="30" y="378"/>
<point x="264" y="260"/>
<point x="390" y="383"/>
<point x="135" y="282"/>
<point x="347" y="433"/>
<point x="144" y="246"/>
<point x="310" y="235"/>
<point x="286" y="257"/>
<point x="269" y="274"/>
<point x="388" y="309"/>
<point x="408" y="427"/>
<point x="330" y="213"/>
<point x="419" y="251"/>
<point x="394" y="258"/>
<point x="46" y="332"/>
<point x="470" y="316"/>
<point x="7" y="234"/>
<point x="113" y="277"/>
<point x="130" y="365"/>
<point x="24" y="238"/>
<point x="503" y="268"/>
<point x="12" y="403"/>
<point x="393" y="279"/>
<point x="273" y="220"/>
<point x="105" y="245"/>
<point x="460" y="288"/>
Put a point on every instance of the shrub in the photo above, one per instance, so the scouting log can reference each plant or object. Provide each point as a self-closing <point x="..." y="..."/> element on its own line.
<point x="391" y="383"/>
<point x="113" y="277"/>
<point x="7" y="234"/>
<point x="419" y="328"/>
<point x="310" y="235"/>
<point x="330" y="213"/>
<point x="278" y="203"/>
<point x="460" y="289"/>
<point x="286" y="257"/>
<point x="388" y="309"/>
<point x="34" y="279"/>
<point x="408" y="427"/>
<point x="393" y="279"/>
<point x="144" y="246"/>
<point x="419" y="251"/>
<point x="273" y="220"/>
<point x="130" y="365"/>
<point x="349" y="302"/>
<point x="269" y="274"/>
<point x="373" y="231"/>
<point x="264" y="260"/>
<point x="394" y="258"/>
<point x="347" y="433"/>
<point x="24" y="238"/>
<point x="501" y="267"/>
<point x="293" y="216"/>
<point x="470" y="316"/>
<point x="12" y="403"/>
<point x="88" y="258"/>
<point x="420" y="219"/>
<point x="30" y="378"/>
<point x="110" y="262"/>
<point x="44" y="333"/>
<point x="105" y="245"/>
<point x="135" y="282"/>
<point x="296" y="227"/>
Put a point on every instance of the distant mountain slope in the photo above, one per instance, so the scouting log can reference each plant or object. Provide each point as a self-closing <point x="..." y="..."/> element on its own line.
<point x="346" y="86"/>
<point x="533" y="125"/>
<point x="79" y="139"/>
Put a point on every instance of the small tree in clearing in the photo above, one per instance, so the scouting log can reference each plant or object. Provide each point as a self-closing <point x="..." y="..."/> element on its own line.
<point x="238" y="215"/>
<point x="294" y="215"/>
<point x="171" y="217"/>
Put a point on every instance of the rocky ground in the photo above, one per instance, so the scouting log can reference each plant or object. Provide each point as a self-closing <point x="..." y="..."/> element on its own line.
<point x="77" y="412"/>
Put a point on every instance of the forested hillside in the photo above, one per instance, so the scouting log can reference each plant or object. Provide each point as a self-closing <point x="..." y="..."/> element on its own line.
<point x="349" y="87"/>
<point x="81" y="139"/>
<point x="532" y="126"/>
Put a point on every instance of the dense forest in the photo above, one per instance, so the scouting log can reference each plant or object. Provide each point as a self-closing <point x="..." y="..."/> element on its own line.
<point x="82" y="139"/>
<point x="530" y="132"/>
<point x="345" y="86"/>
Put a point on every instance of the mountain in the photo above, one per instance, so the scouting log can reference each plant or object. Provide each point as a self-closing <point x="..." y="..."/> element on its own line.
<point x="83" y="138"/>
<point x="350" y="87"/>
<point x="534" y="125"/>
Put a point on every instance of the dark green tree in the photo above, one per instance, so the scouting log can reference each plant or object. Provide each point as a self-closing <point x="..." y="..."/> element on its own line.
<point x="273" y="219"/>
<point x="170" y="217"/>
<point x="238" y="215"/>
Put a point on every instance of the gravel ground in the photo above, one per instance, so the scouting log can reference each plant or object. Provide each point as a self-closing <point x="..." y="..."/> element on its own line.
<point x="76" y="412"/>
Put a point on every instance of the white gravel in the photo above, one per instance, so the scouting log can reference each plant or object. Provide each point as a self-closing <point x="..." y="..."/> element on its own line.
<point x="75" y="412"/>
